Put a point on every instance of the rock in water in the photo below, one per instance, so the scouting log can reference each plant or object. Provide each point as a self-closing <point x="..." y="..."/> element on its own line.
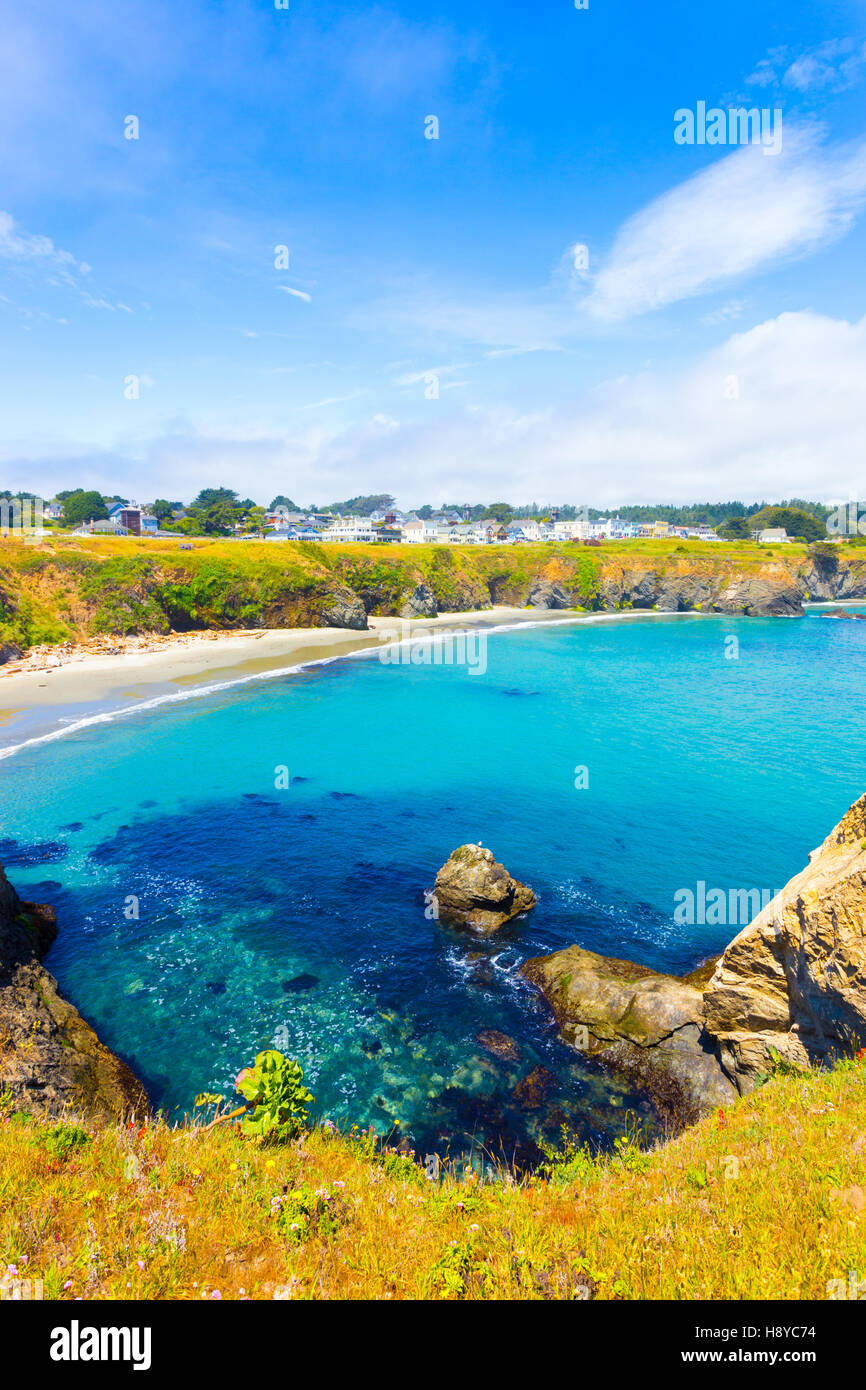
<point x="646" y="1025"/>
<point x="474" y="891"/>
<point x="499" y="1044"/>
<point x="794" y="980"/>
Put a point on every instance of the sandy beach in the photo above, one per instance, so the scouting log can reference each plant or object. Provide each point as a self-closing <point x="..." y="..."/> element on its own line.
<point x="75" y="682"/>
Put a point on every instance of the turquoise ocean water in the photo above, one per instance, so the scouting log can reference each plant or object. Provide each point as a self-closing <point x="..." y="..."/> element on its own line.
<point x="294" y="916"/>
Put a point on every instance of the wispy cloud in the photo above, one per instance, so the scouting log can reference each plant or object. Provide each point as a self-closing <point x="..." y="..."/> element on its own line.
<point x="58" y="267"/>
<point x="831" y="66"/>
<point x="745" y="213"/>
<point x="298" y="294"/>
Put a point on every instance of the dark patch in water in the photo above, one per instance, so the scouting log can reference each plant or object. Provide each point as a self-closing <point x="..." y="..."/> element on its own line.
<point x="72" y="827"/>
<point x="299" y="983"/>
<point x="301" y="779"/>
<point x="148" y="804"/>
<point x="308" y="815"/>
<point x="216" y="986"/>
<point x="45" y="852"/>
<point x="344" y="796"/>
<point x="513" y="690"/>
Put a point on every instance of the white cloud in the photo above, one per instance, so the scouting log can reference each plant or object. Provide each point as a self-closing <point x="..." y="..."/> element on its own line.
<point x="831" y="66"/>
<point x="794" y="426"/>
<point x="298" y="294"/>
<point x="746" y="212"/>
<point x="33" y="251"/>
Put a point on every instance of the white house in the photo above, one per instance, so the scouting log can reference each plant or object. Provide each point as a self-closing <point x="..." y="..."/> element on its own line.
<point x="417" y="531"/>
<point x="773" y="535"/>
<point x="350" y="528"/>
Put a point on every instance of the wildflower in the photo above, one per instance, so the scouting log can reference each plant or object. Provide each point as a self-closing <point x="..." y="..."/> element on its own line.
<point x="216" y="1294"/>
<point x="140" y="1264"/>
<point x="295" y="1226"/>
<point x="12" y="1270"/>
<point x="474" y="1226"/>
<point x="339" y="1184"/>
<point x="271" y="1163"/>
<point x="68" y="1284"/>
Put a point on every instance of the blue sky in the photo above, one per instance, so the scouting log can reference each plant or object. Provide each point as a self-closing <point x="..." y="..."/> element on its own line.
<point x="432" y="335"/>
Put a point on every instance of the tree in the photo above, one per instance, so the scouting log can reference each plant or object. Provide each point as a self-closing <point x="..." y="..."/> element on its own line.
<point x="282" y="501"/>
<point x="736" y="528"/>
<point x="161" y="508"/>
<point x="255" y="520"/>
<point x="499" y="511"/>
<point x="213" y="496"/>
<point x="81" y="506"/>
<point x="798" y="524"/>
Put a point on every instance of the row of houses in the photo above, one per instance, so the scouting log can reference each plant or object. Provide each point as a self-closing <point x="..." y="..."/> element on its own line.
<point x="124" y="519"/>
<point x="447" y="528"/>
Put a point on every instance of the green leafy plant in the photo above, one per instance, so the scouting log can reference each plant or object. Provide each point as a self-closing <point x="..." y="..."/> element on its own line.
<point x="279" y="1100"/>
<point x="61" y="1141"/>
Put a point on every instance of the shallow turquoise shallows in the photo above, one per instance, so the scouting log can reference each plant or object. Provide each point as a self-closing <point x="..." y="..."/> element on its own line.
<point x="294" y="916"/>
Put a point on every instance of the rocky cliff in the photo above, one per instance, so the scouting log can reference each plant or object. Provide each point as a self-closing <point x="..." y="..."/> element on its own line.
<point x="790" y="986"/>
<point x="66" y="589"/>
<point x="794" y="980"/>
<point x="50" y="1059"/>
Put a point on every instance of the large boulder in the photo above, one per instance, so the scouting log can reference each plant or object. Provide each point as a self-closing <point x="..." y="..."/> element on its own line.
<point x="9" y="651"/>
<point x="643" y="1024"/>
<point x="421" y="603"/>
<point x="793" y="981"/>
<point x="474" y="891"/>
<point x="344" y="609"/>
<point x="50" y="1058"/>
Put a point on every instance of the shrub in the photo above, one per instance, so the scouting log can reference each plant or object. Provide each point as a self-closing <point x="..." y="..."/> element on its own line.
<point x="273" y="1087"/>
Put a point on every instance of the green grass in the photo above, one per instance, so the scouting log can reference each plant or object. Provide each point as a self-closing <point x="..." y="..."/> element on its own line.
<point x="762" y="1200"/>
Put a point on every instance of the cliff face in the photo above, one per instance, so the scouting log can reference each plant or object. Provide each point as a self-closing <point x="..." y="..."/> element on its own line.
<point x="794" y="980"/>
<point x="791" y="984"/>
<point x="63" y="589"/>
<point x="50" y="1059"/>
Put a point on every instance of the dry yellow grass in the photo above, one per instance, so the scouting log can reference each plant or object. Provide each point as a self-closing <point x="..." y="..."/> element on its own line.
<point x="763" y="1201"/>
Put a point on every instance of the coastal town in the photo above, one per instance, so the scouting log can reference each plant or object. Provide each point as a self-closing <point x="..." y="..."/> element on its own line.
<point x="381" y="525"/>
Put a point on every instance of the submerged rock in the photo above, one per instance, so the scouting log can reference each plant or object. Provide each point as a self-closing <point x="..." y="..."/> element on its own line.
<point x="499" y="1044"/>
<point x="533" y="1089"/>
<point x="50" y="1059"/>
<point x="299" y="983"/>
<point x="474" y="891"/>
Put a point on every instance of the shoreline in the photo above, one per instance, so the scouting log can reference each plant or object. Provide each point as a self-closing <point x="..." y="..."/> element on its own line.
<point x="41" y="702"/>
<point x="53" y="692"/>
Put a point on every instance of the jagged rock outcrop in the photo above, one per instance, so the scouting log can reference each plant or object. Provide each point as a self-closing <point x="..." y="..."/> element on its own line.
<point x="794" y="980"/>
<point x="792" y="984"/>
<point x="641" y="1023"/>
<point x="421" y="603"/>
<point x="474" y="891"/>
<point x="9" y="652"/>
<point x="50" y="1059"/>
<point x="546" y="594"/>
<point x="344" y="610"/>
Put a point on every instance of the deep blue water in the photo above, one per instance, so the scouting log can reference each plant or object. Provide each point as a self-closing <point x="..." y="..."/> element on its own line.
<point x="295" y="917"/>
